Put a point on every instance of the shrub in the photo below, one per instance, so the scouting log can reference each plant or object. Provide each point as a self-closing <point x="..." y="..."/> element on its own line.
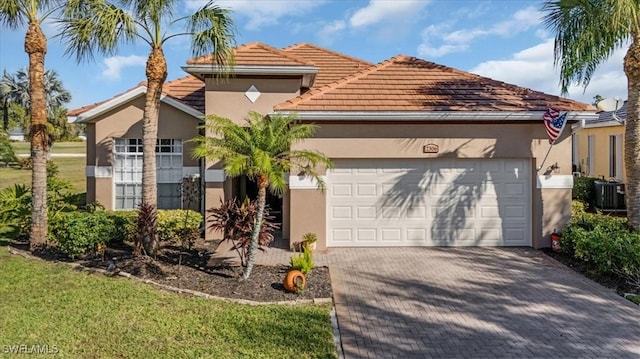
<point x="76" y="233"/>
<point x="124" y="226"/>
<point x="303" y="261"/>
<point x="235" y="221"/>
<point x="179" y="225"/>
<point x="604" y="242"/>
<point x="173" y="224"/>
<point x="15" y="211"/>
<point x="7" y="154"/>
<point x="584" y="190"/>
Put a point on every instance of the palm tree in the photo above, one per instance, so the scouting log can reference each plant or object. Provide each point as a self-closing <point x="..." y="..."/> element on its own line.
<point x="16" y="90"/>
<point x="261" y="151"/>
<point x="587" y="33"/>
<point x="101" y="25"/>
<point x="14" y="14"/>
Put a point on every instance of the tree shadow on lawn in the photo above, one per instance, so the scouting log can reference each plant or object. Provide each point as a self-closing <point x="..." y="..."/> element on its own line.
<point x="499" y="303"/>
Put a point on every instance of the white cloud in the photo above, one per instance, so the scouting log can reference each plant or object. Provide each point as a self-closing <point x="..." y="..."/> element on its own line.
<point x="386" y="11"/>
<point x="261" y="13"/>
<point x="329" y="31"/>
<point x="533" y="68"/>
<point x="459" y="40"/>
<point x="115" y="64"/>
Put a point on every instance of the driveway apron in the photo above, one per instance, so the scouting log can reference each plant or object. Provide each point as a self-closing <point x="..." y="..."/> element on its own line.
<point x="475" y="303"/>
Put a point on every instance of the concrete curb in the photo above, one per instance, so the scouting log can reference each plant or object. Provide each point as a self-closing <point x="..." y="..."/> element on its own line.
<point x="314" y="301"/>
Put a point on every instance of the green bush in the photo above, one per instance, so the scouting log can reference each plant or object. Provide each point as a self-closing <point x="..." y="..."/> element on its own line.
<point x="124" y="226"/>
<point x="179" y="225"/>
<point x="605" y="242"/>
<point x="584" y="190"/>
<point x="303" y="261"/>
<point x="15" y="212"/>
<point x="171" y="224"/>
<point x="76" y="233"/>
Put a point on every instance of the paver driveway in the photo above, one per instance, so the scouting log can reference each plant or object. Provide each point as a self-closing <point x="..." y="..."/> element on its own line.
<point x="472" y="303"/>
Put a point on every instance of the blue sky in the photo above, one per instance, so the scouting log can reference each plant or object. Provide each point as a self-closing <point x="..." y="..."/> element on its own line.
<point x="503" y="39"/>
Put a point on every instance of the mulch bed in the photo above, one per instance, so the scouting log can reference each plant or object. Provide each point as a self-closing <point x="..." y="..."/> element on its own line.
<point x="619" y="284"/>
<point x="194" y="272"/>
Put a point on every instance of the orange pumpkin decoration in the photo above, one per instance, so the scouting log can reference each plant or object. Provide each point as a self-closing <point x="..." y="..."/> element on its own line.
<point x="294" y="281"/>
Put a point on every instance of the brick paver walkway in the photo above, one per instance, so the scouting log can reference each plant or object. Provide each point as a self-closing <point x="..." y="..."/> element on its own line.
<point x="472" y="303"/>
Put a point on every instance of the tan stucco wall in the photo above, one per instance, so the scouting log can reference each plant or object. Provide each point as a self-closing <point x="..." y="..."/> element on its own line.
<point x="308" y="215"/>
<point x="602" y="155"/>
<point x="550" y="207"/>
<point x="227" y="99"/>
<point x="126" y="121"/>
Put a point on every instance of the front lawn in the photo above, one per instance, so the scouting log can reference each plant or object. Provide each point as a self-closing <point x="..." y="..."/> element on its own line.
<point x="89" y="315"/>
<point x="58" y="147"/>
<point x="71" y="169"/>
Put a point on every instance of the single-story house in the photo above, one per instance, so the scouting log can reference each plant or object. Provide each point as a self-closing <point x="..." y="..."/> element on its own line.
<point x="598" y="145"/>
<point x="16" y="134"/>
<point x="424" y="154"/>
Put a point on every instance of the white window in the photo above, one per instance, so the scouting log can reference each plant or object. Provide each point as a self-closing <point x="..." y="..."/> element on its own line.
<point x="575" y="153"/>
<point x="615" y="156"/>
<point x="128" y="172"/>
<point x="591" y="155"/>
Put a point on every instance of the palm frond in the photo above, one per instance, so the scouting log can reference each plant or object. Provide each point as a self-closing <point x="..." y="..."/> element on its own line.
<point x="261" y="148"/>
<point x="13" y="13"/>
<point x="587" y="33"/>
<point x="90" y="26"/>
<point x="212" y="32"/>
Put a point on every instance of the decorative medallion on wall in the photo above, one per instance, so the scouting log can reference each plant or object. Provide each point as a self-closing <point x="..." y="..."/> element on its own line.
<point x="430" y="148"/>
<point x="252" y="94"/>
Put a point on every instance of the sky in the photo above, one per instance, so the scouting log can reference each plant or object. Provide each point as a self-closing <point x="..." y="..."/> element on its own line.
<point x="505" y="40"/>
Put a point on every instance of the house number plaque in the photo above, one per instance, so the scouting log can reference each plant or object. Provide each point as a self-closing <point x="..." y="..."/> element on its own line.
<point x="430" y="148"/>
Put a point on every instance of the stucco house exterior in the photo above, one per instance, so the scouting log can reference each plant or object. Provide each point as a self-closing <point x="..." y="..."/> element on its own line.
<point x="598" y="145"/>
<point x="424" y="154"/>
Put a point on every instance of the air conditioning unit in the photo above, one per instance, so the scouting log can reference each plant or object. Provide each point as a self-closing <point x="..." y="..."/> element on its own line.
<point x="609" y="195"/>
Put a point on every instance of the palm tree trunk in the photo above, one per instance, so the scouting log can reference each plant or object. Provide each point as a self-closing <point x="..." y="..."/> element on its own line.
<point x="35" y="45"/>
<point x="156" y="72"/>
<point x="5" y="116"/>
<point x="632" y="133"/>
<point x="263" y="182"/>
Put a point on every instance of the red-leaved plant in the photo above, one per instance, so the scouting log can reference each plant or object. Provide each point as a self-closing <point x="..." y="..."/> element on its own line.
<point x="236" y="221"/>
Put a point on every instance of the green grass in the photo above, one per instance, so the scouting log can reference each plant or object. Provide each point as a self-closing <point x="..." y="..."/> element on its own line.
<point x="93" y="316"/>
<point x="58" y="147"/>
<point x="71" y="169"/>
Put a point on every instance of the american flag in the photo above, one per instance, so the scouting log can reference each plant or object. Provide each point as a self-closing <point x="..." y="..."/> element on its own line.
<point x="554" y="123"/>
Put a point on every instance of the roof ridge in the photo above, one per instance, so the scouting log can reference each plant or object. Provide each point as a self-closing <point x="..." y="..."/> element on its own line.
<point x="335" y="84"/>
<point x="279" y="52"/>
<point x="298" y="45"/>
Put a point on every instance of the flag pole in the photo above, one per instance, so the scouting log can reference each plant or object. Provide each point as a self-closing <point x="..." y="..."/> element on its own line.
<point x="564" y="123"/>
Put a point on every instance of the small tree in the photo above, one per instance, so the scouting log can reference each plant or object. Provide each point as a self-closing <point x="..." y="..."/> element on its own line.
<point x="261" y="150"/>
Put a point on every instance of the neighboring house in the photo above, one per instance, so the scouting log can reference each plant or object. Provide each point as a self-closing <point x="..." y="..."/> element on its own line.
<point x="16" y="134"/>
<point x="598" y="145"/>
<point x="425" y="155"/>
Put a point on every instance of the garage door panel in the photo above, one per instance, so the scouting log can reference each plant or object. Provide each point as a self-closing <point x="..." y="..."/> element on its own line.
<point x="391" y="235"/>
<point x="341" y="212"/>
<point x="368" y="212"/>
<point x="429" y="202"/>
<point x="341" y="190"/>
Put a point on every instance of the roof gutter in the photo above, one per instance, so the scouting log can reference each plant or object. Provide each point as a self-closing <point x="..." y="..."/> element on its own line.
<point x="429" y="115"/>
<point x="308" y="73"/>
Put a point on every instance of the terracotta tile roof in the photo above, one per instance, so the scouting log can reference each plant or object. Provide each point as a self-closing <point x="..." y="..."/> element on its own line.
<point x="188" y="89"/>
<point x="256" y="53"/>
<point x="333" y="66"/>
<point x="405" y="83"/>
<point x="83" y="109"/>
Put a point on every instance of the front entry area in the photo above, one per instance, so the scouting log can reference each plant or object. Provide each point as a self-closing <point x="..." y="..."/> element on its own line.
<point x="429" y="202"/>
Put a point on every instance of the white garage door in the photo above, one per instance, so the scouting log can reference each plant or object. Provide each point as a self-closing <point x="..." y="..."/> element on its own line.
<point x="429" y="202"/>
